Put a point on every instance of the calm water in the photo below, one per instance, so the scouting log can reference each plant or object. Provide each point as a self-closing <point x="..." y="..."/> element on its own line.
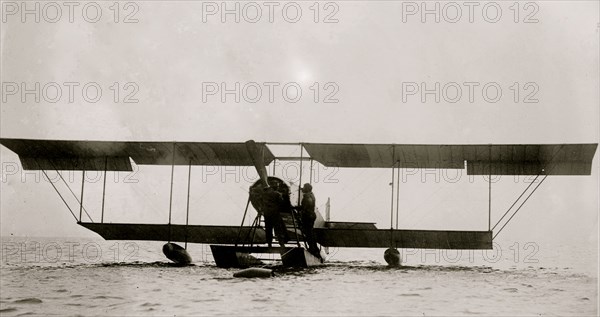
<point x="45" y="276"/>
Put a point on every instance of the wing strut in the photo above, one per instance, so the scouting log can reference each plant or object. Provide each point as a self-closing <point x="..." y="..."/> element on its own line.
<point x="546" y="173"/>
<point x="104" y="188"/>
<point x="76" y="198"/>
<point x="523" y="203"/>
<point x="171" y="191"/>
<point x="81" y="201"/>
<point x="57" y="191"/>
<point x="187" y="211"/>
<point x="392" y="200"/>
<point x="242" y="224"/>
<point x="310" y="177"/>
<point x="490" y="190"/>
<point x="517" y="200"/>
<point x="69" y="188"/>
<point x="299" y="192"/>
<point x="397" y="193"/>
<point x="300" y="177"/>
<point x="59" y="195"/>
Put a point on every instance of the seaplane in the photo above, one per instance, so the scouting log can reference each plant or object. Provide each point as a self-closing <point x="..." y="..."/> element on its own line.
<point x="240" y="246"/>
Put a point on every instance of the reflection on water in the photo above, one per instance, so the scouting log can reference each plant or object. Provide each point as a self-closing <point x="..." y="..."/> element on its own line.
<point x="147" y="284"/>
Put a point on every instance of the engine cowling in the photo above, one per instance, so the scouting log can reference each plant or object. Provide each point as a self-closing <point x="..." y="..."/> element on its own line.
<point x="272" y="199"/>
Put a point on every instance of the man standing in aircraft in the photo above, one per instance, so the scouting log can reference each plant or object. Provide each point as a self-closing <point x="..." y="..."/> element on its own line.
<point x="307" y="218"/>
<point x="273" y="204"/>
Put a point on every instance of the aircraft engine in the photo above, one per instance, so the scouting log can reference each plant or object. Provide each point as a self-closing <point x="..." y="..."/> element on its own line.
<point x="271" y="199"/>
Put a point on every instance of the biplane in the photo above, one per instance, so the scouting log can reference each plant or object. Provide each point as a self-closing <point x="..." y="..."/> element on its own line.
<point x="237" y="246"/>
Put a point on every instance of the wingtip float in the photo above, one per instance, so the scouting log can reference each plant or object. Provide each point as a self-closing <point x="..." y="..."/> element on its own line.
<point x="177" y="254"/>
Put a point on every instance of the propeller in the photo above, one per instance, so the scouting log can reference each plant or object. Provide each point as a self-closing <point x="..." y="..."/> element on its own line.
<point x="257" y="158"/>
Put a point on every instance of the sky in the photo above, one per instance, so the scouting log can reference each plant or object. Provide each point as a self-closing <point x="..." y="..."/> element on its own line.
<point x="162" y="77"/>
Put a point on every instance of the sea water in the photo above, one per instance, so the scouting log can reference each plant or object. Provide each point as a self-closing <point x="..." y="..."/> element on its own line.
<point x="73" y="276"/>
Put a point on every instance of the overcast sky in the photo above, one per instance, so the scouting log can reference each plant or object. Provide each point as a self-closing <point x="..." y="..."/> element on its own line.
<point x="366" y="60"/>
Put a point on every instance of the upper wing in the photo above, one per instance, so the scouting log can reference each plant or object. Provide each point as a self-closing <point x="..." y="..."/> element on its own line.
<point x="505" y="159"/>
<point x="96" y="155"/>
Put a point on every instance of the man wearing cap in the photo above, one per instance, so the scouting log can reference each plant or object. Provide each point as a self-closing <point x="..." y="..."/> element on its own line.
<point x="307" y="218"/>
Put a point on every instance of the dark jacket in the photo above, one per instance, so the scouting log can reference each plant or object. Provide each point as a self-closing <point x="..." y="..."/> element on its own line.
<point x="308" y="206"/>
